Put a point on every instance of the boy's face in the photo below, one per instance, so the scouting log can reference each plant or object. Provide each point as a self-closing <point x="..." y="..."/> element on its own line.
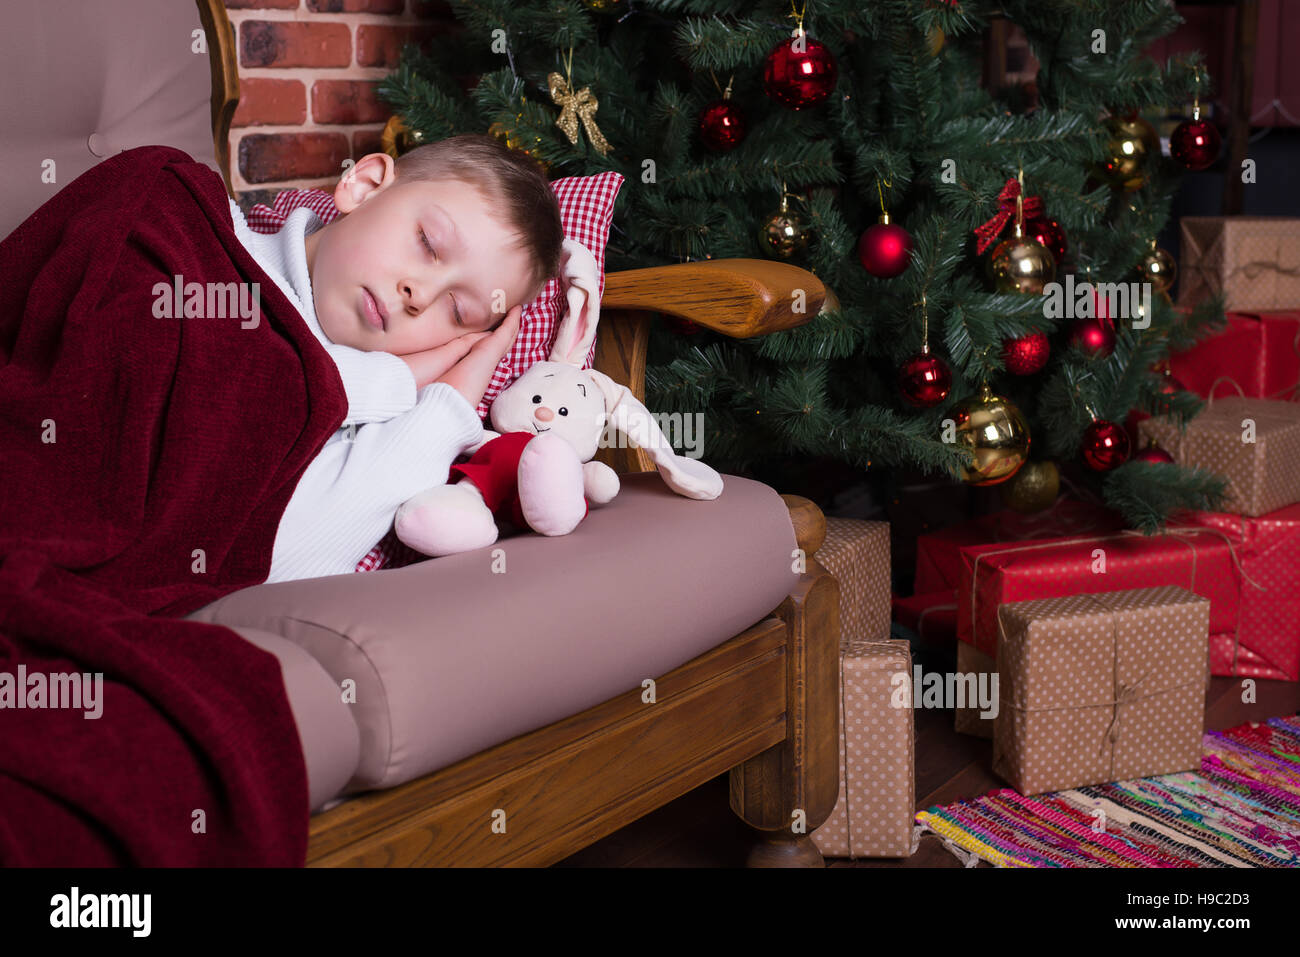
<point x="373" y="259"/>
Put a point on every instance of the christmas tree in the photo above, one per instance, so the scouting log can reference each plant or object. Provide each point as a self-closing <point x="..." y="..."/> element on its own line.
<point x="752" y="129"/>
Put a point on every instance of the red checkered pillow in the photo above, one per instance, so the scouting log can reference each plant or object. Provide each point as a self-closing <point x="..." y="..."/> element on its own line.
<point x="586" y="210"/>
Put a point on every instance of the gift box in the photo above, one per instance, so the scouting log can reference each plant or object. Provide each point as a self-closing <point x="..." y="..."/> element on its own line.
<point x="856" y="552"/>
<point x="877" y="801"/>
<point x="939" y="565"/>
<point x="1253" y="443"/>
<point x="1256" y="354"/>
<point x="1253" y="260"/>
<point x="966" y="718"/>
<point x="1266" y="640"/>
<point x="1198" y="558"/>
<point x="1101" y="687"/>
<point x="931" y="617"/>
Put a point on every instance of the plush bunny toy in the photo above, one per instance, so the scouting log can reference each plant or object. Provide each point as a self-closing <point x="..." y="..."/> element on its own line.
<point x="537" y="469"/>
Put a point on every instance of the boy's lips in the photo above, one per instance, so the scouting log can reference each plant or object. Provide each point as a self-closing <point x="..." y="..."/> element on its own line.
<point x="373" y="311"/>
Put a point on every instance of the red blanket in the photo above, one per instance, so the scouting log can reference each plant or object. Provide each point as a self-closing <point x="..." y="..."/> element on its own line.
<point x="145" y="462"/>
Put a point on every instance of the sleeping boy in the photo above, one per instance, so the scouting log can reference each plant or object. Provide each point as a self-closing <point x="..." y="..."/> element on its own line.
<point x="416" y="292"/>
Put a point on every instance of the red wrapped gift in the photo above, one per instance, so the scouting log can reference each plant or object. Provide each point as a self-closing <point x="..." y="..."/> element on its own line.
<point x="1266" y="641"/>
<point x="1257" y="355"/>
<point x="938" y="555"/>
<point x="932" y="617"/>
<point x="1198" y="558"/>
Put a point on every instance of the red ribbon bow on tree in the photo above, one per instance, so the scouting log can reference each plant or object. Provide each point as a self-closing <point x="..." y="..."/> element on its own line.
<point x="1006" y="210"/>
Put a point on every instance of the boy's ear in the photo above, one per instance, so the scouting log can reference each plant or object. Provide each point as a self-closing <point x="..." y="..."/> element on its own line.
<point x="366" y="177"/>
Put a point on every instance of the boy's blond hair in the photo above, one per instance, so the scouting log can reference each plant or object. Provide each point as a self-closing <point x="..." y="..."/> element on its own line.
<point x="506" y="176"/>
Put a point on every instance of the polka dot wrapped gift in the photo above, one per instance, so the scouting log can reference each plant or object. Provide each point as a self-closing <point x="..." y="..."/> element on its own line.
<point x="1253" y="443"/>
<point x="1101" y="687"/>
<point x="877" y="800"/>
<point x="857" y="554"/>
<point x="873" y="813"/>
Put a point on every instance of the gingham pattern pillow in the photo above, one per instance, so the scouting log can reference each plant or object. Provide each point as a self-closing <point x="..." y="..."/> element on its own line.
<point x="586" y="210"/>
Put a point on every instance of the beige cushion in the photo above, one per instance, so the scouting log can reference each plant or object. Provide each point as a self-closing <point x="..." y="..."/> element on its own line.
<point x="331" y="744"/>
<point x="453" y="655"/>
<point x="85" y="80"/>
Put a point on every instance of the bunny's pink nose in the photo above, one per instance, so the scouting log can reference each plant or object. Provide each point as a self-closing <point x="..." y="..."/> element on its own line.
<point x="543" y="413"/>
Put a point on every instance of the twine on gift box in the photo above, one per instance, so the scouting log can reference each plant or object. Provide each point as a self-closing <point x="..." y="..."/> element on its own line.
<point x="1124" y="694"/>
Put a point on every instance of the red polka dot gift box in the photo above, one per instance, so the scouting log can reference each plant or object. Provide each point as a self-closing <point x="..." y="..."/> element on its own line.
<point x="1264" y="641"/>
<point x="1256" y="354"/>
<point x="1101" y="687"/>
<point x="1199" y="559"/>
<point x="1253" y="443"/>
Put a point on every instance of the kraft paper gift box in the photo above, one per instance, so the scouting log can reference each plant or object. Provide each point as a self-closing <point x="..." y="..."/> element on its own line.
<point x="1253" y="260"/>
<point x="1102" y="687"/>
<point x="1253" y="443"/>
<point x="856" y="552"/>
<point x="969" y="719"/>
<point x="874" y="813"/>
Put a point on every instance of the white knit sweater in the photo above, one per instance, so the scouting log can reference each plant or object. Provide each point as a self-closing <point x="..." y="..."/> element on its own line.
<point x="392" y="444"/>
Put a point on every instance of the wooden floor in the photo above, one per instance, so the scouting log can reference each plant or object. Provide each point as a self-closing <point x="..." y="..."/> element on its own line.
<point x="700" y="830"/>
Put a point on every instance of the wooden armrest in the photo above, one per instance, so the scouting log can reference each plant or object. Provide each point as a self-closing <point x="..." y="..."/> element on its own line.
<point x="736" y="297"/>
<point x="222" y="58"/>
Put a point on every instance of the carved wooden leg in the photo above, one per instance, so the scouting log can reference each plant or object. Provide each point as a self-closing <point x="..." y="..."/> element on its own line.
<point x="789" y="790"/>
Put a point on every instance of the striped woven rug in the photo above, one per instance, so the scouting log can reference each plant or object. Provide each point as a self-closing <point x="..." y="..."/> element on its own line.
<point x="1242" y="809"/>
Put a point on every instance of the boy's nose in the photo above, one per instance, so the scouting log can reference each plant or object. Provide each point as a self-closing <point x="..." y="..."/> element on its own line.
<point x="543" y="413"/>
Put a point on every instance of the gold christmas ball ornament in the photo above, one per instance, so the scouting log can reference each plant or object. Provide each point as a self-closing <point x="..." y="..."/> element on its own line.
<point x="603" y="6"/>
<point x="1020" y="264"/>
<point x="993" y="429"/>
<point x="1033" y="488"/>
<point x="1158" y="268"/>
<point x="783" y="234"/>
<point x="1132" y="148"/>
<point x="397" y="138"/>
<point x="934" y="39"/>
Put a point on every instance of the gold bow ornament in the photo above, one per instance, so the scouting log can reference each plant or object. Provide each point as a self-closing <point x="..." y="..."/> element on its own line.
<point x="574" y="106"/>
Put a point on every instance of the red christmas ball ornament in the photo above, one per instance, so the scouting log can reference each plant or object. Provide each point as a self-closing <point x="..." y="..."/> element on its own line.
<point x="1153" y="454"/>
<point x="722" y="125"/>
<point x="1027" y="354"/>
<point x="800" y="72"/>
<point x="1094" y="336"/>
<point x="1195" y="143"/>
<point x="885" y="249"/>
<point x="924" y="380"/>
<point x="1105" y="446"/>
<point x="1169" y="385"/>
<point x="1048" y="232"/>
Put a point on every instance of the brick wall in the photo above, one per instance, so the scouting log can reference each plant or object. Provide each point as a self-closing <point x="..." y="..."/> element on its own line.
<point x="309" y="71"/>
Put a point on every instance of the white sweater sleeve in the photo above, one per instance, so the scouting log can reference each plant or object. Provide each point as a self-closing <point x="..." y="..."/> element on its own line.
<point x="347" y="497"/>
<point x="379" y="385"/>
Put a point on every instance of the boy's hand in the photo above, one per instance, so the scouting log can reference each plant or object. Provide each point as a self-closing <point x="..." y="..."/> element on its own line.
<point x="473" y="373"/>
<point x="429" y="365"/>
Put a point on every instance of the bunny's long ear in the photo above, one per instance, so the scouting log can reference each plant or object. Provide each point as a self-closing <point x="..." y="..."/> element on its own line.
<point x="685" y="476"/>
<point x="580" y="279"/>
